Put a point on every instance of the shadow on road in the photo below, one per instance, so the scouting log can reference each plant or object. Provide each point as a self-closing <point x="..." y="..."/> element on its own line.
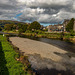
<point x="3" y="68"/>
<point x="53" y="72"/>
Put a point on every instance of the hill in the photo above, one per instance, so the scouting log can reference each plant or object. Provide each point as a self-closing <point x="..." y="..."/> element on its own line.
<point x="3" y="22"/>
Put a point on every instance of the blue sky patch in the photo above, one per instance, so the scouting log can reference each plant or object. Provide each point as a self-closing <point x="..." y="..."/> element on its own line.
<point x="18" y="15"/>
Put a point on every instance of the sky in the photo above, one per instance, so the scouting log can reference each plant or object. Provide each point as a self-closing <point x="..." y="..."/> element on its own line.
<point x="44" y="11"/>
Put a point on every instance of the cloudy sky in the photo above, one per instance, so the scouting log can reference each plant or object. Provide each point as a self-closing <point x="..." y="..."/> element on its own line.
<point x="43" y="11"/>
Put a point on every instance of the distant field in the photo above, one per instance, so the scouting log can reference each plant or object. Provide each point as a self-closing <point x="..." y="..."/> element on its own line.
<point x="8" y="64"/>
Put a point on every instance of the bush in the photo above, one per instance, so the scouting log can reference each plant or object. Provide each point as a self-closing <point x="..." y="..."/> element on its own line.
<point x="72" y="33"/>
<point x="38" y="31"/>
<point x="20" y="30"/>
<point x="0" y="28"/>
<point x="62" y="35"/>
<point x="17" y="55"/>
<point x="28" y="31"/>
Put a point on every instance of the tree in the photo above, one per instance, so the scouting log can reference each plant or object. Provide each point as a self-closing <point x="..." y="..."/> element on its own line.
<point x="69" y="26"/>
<point x="0" y="28"/>
<point x="23" y="28"/>
<point x="20" y="31"/>
<point x="8" y="27"/>
<point x="34" y="25"/>
<point x="14" y="27"/>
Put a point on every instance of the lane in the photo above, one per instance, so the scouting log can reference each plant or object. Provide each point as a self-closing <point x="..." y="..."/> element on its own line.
<point x="31" y="47"/>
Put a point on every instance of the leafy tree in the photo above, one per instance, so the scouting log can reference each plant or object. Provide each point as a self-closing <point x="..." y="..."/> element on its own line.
<point x="20" y="31"/>
<point x="69" y="26"/>
<point x="23" y="28"/>
<point x="14" y="26"/>
<point x="34" y="26"/>
<point x="8" y="27"/>
<point x="0" y="28"/>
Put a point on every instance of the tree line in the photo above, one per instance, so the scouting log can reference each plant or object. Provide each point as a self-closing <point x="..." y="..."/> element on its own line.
<point x="22" y="27"/>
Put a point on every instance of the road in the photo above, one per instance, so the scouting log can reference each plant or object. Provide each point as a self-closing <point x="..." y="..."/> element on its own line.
<point x="29" y="46"/>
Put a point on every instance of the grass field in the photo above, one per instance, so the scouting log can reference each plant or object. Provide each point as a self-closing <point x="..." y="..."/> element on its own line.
<point x="8" y="64"/>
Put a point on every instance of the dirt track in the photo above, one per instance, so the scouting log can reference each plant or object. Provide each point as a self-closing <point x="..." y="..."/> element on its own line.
<point x="31" y="47"/>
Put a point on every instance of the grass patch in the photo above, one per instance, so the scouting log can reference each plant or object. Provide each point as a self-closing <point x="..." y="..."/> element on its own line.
<point x="11" y="32"/>
<point x="7" y="59"/>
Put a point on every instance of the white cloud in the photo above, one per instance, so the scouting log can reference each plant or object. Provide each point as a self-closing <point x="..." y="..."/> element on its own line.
<point x="45" y="11"/>
<point x="54" y="15"/>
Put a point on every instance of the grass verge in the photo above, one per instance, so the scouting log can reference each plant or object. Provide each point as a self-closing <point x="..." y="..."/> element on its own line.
<point x="8" y="64"/>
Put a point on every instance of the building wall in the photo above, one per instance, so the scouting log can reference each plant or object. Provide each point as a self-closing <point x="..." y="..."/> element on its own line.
<point x="55" y="27"/>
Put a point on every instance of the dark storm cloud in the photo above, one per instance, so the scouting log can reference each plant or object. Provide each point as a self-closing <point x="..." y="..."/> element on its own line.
<point x="46" y="11"/>
<point x="6" y="6"/>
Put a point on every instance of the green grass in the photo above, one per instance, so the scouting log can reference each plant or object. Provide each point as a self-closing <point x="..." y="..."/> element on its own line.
<point x="11" y="32"/>
<point x="52" y="35"/>
<point x="7" y="59"/>
<point x="47" y="35"/>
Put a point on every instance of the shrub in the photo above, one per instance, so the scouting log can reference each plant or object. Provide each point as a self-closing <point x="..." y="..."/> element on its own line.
<point x="17" y="55"/>
<point x="28" y="31"/>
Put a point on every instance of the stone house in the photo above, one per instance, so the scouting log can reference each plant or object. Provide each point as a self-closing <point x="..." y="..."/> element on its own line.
<point x="59" y="27"/>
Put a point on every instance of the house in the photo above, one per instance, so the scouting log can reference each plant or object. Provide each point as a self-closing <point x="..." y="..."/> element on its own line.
<point x="58" y="27"/>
